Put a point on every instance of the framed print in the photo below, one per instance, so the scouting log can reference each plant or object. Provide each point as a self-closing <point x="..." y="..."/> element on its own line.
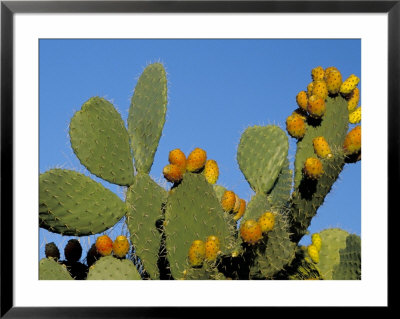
<point x="195" y="156"/>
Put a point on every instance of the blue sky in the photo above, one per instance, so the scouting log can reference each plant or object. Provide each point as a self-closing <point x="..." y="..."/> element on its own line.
<point x="216" y="89"/>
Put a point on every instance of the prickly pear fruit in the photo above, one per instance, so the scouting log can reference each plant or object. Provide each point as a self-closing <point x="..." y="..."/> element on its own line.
<point x="52" y="251"/>
<point x="237" y="204"/>
<point x="349" y="84"/>
<point x="197" y="253"/>
<point x="318" y="73"/>
<point x="92" y="255"/>
<point x="309" y="89"/>
<point x="316" y="106"/>
<point x="250" y="231"/>
<point x="313" y="253"/>
<point x="267" y="222"/>
<point x="333" y="81"/>
<point x="313" y="168"/>
<point x="353" y="99"/>
<point x="241" y="211"/>
<point x="296" y="125"/>
<point x="211" y="171"/>
<point x="321" y="147"/>
<point x="316" y="241"/>
<point x="352" y="141"/>
<point x="196" y="160"/>
<point x="172" y="173"/>
<point x="302" y="100"/>
<point x="73" y="250"/>
<point x="120" y="246"/>
<point x="212" y="248"/>
<point x="228" y="201"/>
<point x="104" y="245"/>
<point x="320" y="89"/>
<point x="177" y="157"/>
<point x="355" y="116"/>
<point x="329" y="70"/>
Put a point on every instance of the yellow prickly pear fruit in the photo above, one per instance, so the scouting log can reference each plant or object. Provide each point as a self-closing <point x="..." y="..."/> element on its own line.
<point x="172" y="173"/>
<point x="237" y="204"/>
<point x="313" y="253"/>
<point x="120" y="246"/>
<point x="355" y="116"/>
<point x="177" y="157"/>
<point x="212" y="248"/>
<point x="333" y="81"/>
<point x="250" y="231"/>
<point x="353" y="100"/>
<point x="316" y="106"/>
<point x="104" y="245"/>
<point x="196" y="160"/>
<point x="302" y="100"/>
<point x="321" y="147"/>
<point x="228" y="201"/>
<point x="320" y="89"/>
<point x="267" y="221"/>
<point x="313" y="168"/>
<point x="316" y="241"/>
<point x="211" y="171"/>
<point x="241" y="210"/>
<point x="349" y="84"/>
<point x="310" y="88"/>
<point x="352" y="141"/>
<point x="296" y="125"/>
<point x="318" y="73"/>
<point x="197" y="253"/>
<point x="329" y="70"/>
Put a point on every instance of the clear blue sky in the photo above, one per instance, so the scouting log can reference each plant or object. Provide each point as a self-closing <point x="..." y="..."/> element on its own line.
<point x="216" y="88"/>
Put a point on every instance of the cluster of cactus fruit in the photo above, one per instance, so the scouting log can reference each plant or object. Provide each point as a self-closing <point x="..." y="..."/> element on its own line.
<point x="198" y="229"/>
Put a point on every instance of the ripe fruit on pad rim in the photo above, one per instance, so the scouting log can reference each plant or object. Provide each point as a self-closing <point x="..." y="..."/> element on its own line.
<point x="316" y="106"/>
<point x="353" y="99"/>
<point x="267" y="222"/>
<point x="355" y="116"/>
<point x="321" y="147"/>
<point x="197" y="253"/>
<point x="237" y="204"/>
<point x="178" y="158"/>
<point x="104" y="245"/>
<point x="196" y="160"/>
<point x="241" y="211"/>
<point x="313" y="168"/>
<point x="211" y="171"/>
<point x="320" y="89"/>
<point x="250" y="231"/>
<point x="212" y="248"/>
<point x="302" y="100"/>
<point x="333" y="81"/>
<point x="121" y="246"/>
<point x="313" y="253"/>
<point x="316" y="241"/>
<point x="172" y="173"/>
<point x="296" y="125"/>
<point x="352" y="141"/>
<point x="228" y="201"/>
<point x="349" y="84"/>
<point x="73" y="250"/>
<point x="318" y="73"/>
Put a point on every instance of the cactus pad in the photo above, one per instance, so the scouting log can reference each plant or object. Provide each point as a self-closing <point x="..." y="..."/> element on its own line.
<point x="111" y="268"/>
<point x="349" y="267"/>
<point x="49" y="269"/>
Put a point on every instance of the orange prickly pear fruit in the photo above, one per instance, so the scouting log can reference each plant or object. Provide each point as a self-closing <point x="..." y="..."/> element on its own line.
<point x="172" y="173"/>
<point x="250" y="231"/>
<point x="237" y="204"/>
<point x="211" y="171"/>
<point x="321" y="147"/>
<point x="320" y="89"/>
<point x="333" y="81"/>
<point x="212" y="248"/>
<point x="196" y="160"/>
<point x="296" y="125"/>
<point x="302" y="100"/>
<point x="316" y="106"/>
<point x="104" y="245"/>
<point x="355" y="116"/>
<point x="267" y="222"/>
<point x="352" y="141"/>
<point x="228" y="201"/>
<point x="313" y="168"/>
<point x="241" y="210"/>
<point x="197" y="253"/>
<point x="318" y="73"/>
<point x="349" y="84"/>
<point x="120" y="246"/>
<point x="353" y="100"/>
<point x="310" y="88"/>
<point x="329" y="70"/>
<point x="177" y="157"/>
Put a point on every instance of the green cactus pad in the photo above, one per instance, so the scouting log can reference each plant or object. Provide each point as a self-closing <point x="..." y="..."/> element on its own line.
<point x="257" y="206"/>
<point x="280" y="193"/>
<point x="349" y="267"/>
<point x="219" y="191"/>
<point x="49" y="269"/>
<point x="101" y="142"/>
<point x="261" y="155"/>
<point x="73" y="204"/>
<point x="206" y="272"/>
<point x="145" y="199"/>
<point x="278" y="250"/>
<point x="193" y="212"/>
<point x="111" y="268"/>
<point x="333" y="240"/>
<point x="147" y="115"/>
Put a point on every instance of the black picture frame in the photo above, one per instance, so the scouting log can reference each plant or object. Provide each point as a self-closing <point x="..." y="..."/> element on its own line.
<point x="9" y="8"/>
